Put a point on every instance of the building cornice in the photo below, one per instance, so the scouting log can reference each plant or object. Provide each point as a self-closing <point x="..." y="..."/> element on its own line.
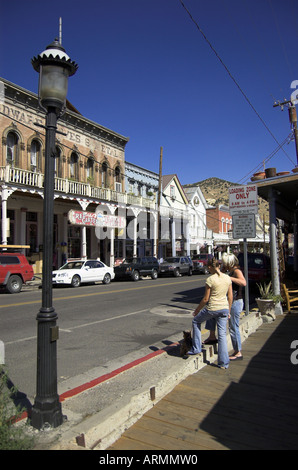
<point x="30" y="100"/>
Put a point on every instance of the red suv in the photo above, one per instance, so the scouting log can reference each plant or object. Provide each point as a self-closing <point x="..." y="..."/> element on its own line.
<point x="200" y="263"/>
<point x="14" y="271"/>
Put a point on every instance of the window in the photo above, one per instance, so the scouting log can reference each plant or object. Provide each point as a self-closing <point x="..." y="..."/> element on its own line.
<point x="90" y="165"/>
<point x="73" y="170"/>
<point x="9" y="260"/>
<point x="104" y="175"/>
<point x="12" y="149"/>
<point x="222" y="224"/>
<point x="94" y="264"/>
<point x="35" y="156"/>
<point x="172" y="191"/>
<point x="118" y="185"/>
<point x="57" y="169"/>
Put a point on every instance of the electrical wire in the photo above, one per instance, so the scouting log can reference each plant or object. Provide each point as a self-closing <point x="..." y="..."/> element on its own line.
<point x="230" y="74"/>
<point x="267" y="159"/>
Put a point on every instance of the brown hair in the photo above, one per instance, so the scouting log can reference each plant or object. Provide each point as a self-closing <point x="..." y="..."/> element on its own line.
<point x="214" y="263"/>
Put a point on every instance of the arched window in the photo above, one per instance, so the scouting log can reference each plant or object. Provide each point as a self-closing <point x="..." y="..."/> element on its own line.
<point x="12" y="152"/>
<point x="222" y="224"/>
<point x="58" y="163"/>
<point x="118" y="185"/>
<point x="89" y="168"/>
<point x="73" y="168"/>
<point x="35" y="156"/>
<point x="104" y="175"/>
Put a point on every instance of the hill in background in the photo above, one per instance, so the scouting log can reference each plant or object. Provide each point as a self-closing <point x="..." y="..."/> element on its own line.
<point x="216" y="192"/>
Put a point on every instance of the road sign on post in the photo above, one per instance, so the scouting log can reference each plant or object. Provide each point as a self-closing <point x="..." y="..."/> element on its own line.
<point x="244" y="226"/>
<point x="243" y="199"/>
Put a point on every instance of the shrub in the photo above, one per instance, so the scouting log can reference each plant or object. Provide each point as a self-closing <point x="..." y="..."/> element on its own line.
<point x="12" y="436"/>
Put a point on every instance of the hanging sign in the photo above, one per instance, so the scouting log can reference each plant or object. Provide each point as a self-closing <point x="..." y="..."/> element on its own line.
<point x="92" y="219"/>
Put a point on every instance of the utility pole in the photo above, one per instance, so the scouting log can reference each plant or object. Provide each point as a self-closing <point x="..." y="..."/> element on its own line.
<point x="159" y="200"/>
<point x="292" y="118"/>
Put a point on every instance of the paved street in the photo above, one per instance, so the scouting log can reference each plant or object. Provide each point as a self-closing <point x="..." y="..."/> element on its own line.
<point x="97" y="324"/>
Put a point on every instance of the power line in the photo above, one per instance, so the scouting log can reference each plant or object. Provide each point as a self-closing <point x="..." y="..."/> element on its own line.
<point x="230" y="74"/>
<point x="266" y="160"/>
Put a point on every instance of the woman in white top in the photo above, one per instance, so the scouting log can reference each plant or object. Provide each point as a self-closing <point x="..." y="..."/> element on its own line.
<point x="216" y="304"/>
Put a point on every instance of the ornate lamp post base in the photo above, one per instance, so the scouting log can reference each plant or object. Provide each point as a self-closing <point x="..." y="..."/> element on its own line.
<point x="47" y="410"/>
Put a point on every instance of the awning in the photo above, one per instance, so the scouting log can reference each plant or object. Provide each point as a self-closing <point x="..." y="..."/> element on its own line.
<point x="285" y="191"/>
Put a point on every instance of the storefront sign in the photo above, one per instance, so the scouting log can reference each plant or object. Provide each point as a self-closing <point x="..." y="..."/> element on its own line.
<point x="110" y="221"/>
<point x="92" y="219"/>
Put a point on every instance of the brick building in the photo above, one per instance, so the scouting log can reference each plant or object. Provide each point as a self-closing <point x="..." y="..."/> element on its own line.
<point x="219" y="219"/>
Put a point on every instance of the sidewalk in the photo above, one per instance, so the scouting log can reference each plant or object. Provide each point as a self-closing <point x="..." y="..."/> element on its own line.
<point x="251" y="406"/>
<point x="103" y="407"/>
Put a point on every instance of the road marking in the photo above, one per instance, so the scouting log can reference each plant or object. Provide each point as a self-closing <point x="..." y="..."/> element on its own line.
<point x="97" y="293"/>
<point x="20" y="340"/>
<point x="69" y="330"/>
<point x="106" y="319"/>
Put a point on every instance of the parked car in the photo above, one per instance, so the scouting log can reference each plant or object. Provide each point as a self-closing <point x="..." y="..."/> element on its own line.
<point x="200" y="263"/>
<point x="15" y="270"/>
<point x="134" y="268"/>
<point x="176" y="265"/>
<point x="258" y="266"/>
<point x="77" y="272"/>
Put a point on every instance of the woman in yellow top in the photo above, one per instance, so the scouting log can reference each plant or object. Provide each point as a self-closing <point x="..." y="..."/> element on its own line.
<point x="216" y="304"/>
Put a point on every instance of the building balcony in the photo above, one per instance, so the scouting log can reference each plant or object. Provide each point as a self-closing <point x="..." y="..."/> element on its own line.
<point x="26" y="180"/>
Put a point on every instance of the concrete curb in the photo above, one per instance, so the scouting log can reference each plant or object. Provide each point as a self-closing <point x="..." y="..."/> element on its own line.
<point x="155" y="376"/>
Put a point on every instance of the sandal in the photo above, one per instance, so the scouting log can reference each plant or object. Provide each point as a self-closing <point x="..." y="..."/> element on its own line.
<point x="236" y="358"/>
<point x="210" y="341"/>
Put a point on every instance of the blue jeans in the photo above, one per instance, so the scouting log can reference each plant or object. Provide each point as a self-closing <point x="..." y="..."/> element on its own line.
<point x="236" y="309"/>
<point x="221" y="318"/>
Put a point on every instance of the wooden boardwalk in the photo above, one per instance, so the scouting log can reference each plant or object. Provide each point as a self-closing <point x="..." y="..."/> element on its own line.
<point x="251" y="405"/>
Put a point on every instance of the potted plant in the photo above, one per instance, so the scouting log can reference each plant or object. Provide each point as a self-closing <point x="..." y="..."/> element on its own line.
<point x="267" y="300"/>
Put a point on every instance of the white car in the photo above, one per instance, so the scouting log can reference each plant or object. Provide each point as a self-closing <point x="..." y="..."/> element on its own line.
<point x="76" y="272"/>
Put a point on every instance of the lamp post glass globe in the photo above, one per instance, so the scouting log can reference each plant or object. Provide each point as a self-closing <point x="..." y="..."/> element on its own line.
<point x="53" y="85"/>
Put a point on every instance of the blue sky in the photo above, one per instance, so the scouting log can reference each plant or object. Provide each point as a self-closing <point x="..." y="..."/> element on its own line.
<point x="147" y="72"/>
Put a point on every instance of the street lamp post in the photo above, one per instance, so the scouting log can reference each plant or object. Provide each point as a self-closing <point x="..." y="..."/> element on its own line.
<point x="54" y="67"/>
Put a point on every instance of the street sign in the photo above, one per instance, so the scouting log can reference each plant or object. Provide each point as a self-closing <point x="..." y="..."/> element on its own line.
<point x="243" y="199"/>
<point x="244" y="226"/>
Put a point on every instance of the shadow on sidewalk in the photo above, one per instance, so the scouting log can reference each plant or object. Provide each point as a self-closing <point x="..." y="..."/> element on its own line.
<point x="260" y="410"/>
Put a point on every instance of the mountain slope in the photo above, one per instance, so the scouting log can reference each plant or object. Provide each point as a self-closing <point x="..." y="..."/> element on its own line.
<point x="216" y="192"/>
